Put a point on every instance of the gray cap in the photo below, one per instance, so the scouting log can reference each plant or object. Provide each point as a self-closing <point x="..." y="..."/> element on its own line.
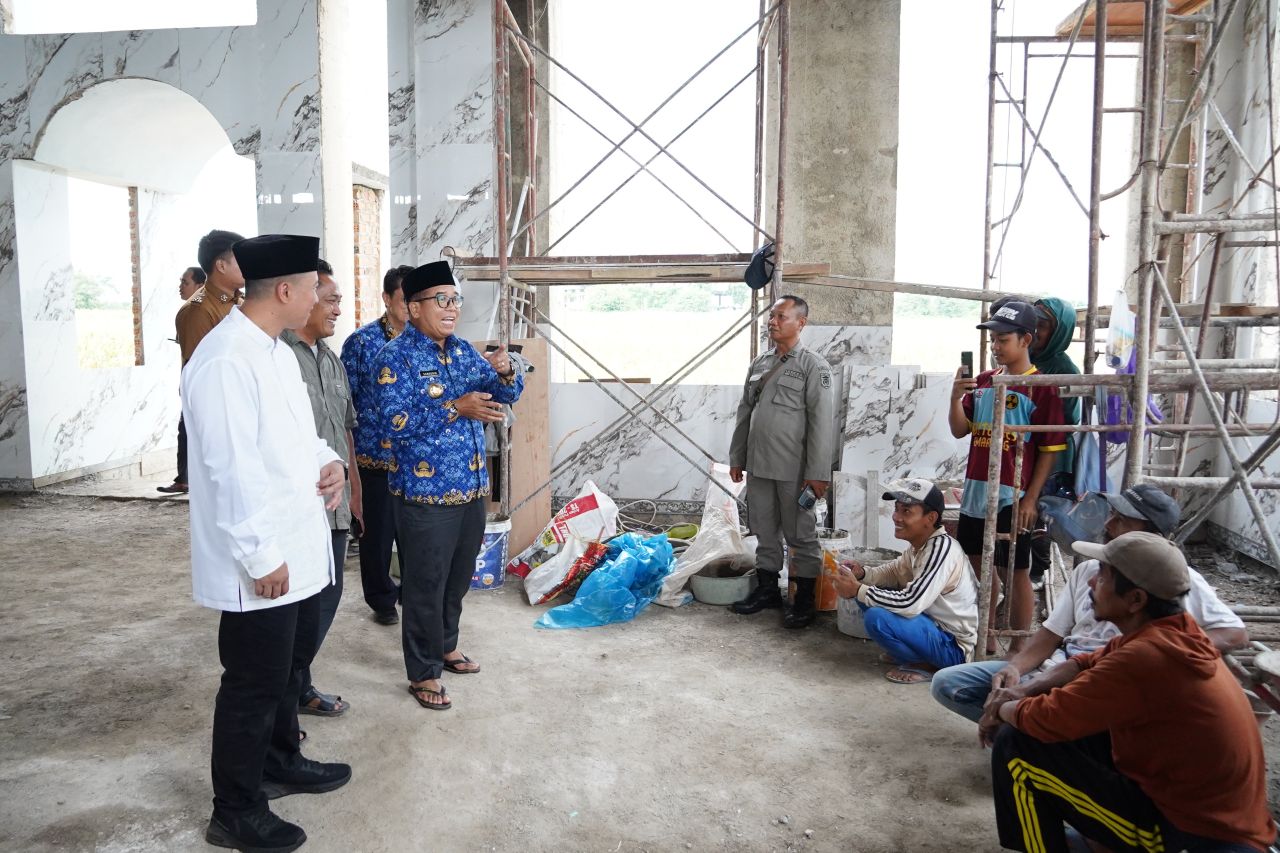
<point x="1152" y="562"/>
<point x="1147" y="503"/>
<point x="915" y="491"/>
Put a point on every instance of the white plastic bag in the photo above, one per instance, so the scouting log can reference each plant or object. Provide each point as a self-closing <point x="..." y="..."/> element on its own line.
<point x="719" y="537"/>
<point x="590" y="517"/>
<point x="1121" y="328"/>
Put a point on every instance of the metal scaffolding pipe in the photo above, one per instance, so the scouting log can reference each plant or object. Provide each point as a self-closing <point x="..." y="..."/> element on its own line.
<point x="1095" y="182"/>
<point x="1241" y="476"/>
<point x="1152" y="101"/>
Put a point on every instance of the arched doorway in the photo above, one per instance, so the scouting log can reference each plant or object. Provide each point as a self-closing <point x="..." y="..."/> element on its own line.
<point x="124" y="180"/>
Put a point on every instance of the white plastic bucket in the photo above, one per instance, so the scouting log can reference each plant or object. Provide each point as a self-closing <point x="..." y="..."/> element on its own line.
<point x="491" y="562"/>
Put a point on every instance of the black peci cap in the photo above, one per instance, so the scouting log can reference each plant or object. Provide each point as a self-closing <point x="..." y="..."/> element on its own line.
<point x="427" y="276"/>
<point x="275" y="255"/>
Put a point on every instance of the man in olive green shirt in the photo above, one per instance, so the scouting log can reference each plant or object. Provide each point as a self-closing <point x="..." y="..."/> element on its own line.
<point x="784" y="442"/>
<point x="330" y="393"/>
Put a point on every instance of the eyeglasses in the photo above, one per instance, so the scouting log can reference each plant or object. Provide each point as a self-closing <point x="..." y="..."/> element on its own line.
<point x="443" y="300"/>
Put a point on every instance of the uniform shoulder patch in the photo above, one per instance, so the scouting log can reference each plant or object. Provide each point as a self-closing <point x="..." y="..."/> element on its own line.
<point x="826" y="379"/>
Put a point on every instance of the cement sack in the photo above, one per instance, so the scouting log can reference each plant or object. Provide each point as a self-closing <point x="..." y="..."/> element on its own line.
<point x="719" y="537"/>
<point x="590" y="517"/>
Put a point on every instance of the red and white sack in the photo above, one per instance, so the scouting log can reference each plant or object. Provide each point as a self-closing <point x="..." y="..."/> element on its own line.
<point x="590" y="517"/>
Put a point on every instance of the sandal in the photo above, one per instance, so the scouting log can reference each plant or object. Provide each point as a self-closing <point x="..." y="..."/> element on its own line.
<point x="906" y="675"/>
<point x="418" y="694"/>
<point x="456" y="666"/>
<point x="326" y="705"/>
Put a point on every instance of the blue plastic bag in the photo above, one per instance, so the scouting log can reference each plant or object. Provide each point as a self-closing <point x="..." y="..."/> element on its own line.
<point x="630" y="577"/>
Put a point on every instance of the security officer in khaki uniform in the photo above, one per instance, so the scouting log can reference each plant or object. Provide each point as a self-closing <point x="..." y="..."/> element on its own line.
<point x="784" y="440"/>
<point x="199" y="314"/>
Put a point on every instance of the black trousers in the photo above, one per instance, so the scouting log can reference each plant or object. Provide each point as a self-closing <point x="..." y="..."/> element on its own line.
<point x="438" y="548"/>
<point x="182" y="452"/>
<point x="380" y="591"/>
<point x="255" y="717"/>
<point x="1040" y="786"/>
<point x="327" y="605"/>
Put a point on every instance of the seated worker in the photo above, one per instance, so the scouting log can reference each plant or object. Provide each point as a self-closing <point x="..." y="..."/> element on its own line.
<point x="1145" y="744"/>
<point x="921" y="608"/>
<point x="1071" y="628"/>
<point x="973" y="406"/>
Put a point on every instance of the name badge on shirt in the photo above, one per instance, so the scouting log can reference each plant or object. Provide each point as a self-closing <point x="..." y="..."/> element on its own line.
<point x="423" y="374"/>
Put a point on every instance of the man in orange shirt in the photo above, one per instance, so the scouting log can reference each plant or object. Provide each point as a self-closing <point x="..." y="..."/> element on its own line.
<point x="1146" y="744"/>
<point x="218" y="293"/>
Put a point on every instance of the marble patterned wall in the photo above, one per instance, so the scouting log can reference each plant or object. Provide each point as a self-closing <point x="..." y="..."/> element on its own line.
<point x="891" y="426"/>
<point x="262" y="85"/>
<point x="440" y="109"/>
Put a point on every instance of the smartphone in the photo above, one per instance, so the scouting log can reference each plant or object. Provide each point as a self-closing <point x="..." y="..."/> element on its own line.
<point x="807" y="498"/>
<point x="966" y="364"/>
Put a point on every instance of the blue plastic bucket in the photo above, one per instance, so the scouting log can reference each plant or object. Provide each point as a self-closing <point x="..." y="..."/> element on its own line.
<point x="491" y="562"/>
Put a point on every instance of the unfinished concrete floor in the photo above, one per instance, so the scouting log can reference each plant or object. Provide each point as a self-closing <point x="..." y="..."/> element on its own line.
<point x="691" y="729"/>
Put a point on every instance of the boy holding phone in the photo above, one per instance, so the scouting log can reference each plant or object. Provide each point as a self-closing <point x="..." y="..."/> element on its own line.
<point x="973" y="401"/>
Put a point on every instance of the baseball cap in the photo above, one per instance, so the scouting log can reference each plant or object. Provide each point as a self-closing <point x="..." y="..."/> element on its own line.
<point x="1144" y="501"/>
<point x="1152" y="562"/>
<point x="1012" y="316"/>
<point x="915" y="491"/>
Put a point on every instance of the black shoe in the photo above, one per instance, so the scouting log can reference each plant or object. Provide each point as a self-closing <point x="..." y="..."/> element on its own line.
<point x="174" y="488"/>
<point x="308" y="777"/>
<point x="259" y="832"/>
<point x="802" y="611"/>
<point x="386" y="617"/>
<point x="766" y="595"/>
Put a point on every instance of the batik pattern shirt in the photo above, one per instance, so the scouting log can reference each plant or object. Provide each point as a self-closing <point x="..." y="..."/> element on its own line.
<point x="1024" y="405"/>
<point x="438" y="455"/>
<point x="373" y="447"/>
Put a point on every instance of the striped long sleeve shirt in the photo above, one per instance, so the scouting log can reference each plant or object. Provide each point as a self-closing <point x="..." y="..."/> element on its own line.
<point x="934" y="580"/>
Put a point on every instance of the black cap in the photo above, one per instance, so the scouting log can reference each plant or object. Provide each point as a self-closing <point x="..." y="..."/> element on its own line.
<point x="1012" y="316"/>
<point x="427" y="276"/>
<point x="274" y="255"/>
<point x="760" y="270"/>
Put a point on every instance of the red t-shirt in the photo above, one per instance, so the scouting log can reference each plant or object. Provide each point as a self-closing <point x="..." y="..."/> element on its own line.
<point x="1026" y="404"/>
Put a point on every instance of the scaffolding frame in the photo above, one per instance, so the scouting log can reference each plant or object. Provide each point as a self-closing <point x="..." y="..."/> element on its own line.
<point x="516" y="275"/>
<point x="1156" y="228"/>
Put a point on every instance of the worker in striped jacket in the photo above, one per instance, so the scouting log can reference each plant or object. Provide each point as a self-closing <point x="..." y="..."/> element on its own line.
<point x="921" y="608"/>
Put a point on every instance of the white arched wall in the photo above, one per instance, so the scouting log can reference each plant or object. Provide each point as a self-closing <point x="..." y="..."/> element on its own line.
<point x="131" y="132"/>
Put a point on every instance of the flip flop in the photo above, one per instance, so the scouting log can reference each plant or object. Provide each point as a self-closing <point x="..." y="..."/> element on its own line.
<point x="330" y="706"/>
<point x="417" y="693"/>
<point x="906" y="675"/>
<point x="454" y="666"/>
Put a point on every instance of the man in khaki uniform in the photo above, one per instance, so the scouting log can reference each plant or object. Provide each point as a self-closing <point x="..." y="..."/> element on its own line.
<point x="784" y="441"/>
<point x="211" y="302"/>
<point x="330" y="393"/>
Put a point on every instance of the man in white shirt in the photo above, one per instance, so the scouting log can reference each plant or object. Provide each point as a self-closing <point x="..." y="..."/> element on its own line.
<point x="921" y="608"/>
<point x="1072" y="629"/>
<point x="260" y="481"/>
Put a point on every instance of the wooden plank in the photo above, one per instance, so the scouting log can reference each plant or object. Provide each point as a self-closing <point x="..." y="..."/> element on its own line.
<point x="1124" y="17"/>
<point x="614" y="273"/>
<point x="1244" y="309"/>
<point x="530" y="446"/>
<point x="888" y="286"/>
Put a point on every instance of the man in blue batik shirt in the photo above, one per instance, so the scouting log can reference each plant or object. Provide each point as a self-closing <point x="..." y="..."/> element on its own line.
<point x="373" y="448"/>
<point x="435" y="393"/>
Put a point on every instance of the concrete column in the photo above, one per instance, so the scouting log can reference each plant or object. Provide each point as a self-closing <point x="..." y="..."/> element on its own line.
<point x="842" y="150"/>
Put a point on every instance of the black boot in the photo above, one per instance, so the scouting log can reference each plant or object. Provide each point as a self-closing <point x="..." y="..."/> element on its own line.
<point x="802" y="611"/>
<point x="766" y="595"/>
<point x="256" y="832"/>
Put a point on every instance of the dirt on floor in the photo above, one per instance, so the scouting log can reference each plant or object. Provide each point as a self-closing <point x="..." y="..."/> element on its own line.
<point x="688" y="729"/>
